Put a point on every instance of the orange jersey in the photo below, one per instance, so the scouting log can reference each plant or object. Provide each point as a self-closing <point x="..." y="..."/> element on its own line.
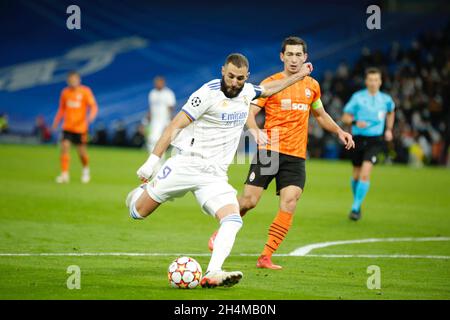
<point x="74" y="104"/>
<point x="287" y="115"/>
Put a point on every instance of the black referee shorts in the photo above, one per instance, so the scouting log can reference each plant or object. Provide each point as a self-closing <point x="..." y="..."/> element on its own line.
<point x="366" y="149"/>
<point x="286" y="169"/>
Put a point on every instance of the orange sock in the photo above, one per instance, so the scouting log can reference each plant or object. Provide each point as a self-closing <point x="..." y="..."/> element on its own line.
<point x="277" y="232"/>
<point x="65" y="160"/>
<point x="84" y="160"/>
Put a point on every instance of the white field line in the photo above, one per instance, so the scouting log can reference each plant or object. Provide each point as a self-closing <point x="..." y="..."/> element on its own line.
<point x="156" y="254"/>
<point x="299" y="252"/>
<point x="377" y="256"/>
<point x="97" y="254"/>
<point x="305" y="250"/>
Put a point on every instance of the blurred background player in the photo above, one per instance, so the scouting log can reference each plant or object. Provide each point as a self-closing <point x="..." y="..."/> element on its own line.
<point x="41" y="130"/>
<point x="77" y="108"/>
<point x="206" y="134"/>
<point x="367" y="112"/>
<point x="161" y="101"/>
<point x="286" y="123"/>
<point x="4" y="127"/>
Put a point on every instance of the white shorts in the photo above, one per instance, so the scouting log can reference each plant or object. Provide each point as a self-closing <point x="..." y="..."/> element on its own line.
<point x="181" y="173"/>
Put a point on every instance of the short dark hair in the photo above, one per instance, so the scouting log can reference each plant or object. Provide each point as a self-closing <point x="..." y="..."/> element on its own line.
<point x="373" y="70"/>
<point x="293" y="41"/>
<point x="72" y="73"/>
<point x="237" y="59"/>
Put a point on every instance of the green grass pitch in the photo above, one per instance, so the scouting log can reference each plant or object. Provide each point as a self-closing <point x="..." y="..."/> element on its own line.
<point x="39" y="216"/>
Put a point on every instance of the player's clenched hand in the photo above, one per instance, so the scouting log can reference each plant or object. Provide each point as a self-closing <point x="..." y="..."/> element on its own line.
<point x="147" y="171"/>
<point x="347" y="139"/>
<point x="306" y="69"/>
<point x="361" y="124"/>
<point x="388" y="136"/>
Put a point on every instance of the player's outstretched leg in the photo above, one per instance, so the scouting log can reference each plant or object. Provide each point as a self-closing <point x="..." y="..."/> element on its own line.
<point x="247" y="201"/>
<point x="84" y="158"/>
<point x="277" y="232"/>
<point x="139" y="203"/>
<point x="280" y="226"/>
<point x="64" y="161"/>
<point x="230" y="224"/>
<point x="361" y="190"/>
<point x="355" y="215"/>
<point x="211" y="241"/>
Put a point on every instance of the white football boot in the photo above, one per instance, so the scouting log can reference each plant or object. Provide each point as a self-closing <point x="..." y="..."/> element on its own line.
<point x="86" y="175"/>
<point x="63" y="178"/>
<point x="220" y="278"/>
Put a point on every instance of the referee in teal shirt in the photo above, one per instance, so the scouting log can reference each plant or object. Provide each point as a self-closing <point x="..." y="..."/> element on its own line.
<point x="371" y="114"/>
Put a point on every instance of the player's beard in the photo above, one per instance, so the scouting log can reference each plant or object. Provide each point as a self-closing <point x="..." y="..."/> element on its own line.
<point x="228" y="91"/>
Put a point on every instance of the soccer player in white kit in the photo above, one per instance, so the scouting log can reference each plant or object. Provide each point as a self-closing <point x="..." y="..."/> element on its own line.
<point x="161" y="101"/>
<point x="205" y="135"/>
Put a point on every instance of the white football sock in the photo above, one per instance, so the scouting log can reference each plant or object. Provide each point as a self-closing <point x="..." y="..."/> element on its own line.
<point x="134" y="213"/>
<point x="135" y="194"/>
<point x="229" y="227"/>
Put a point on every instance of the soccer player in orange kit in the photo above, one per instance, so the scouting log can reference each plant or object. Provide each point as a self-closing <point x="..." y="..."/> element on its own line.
<point x="282" y="150"/>
<point x="77" y="109"/>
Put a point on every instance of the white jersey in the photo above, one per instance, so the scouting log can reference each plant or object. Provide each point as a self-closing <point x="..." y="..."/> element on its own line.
<point x="217" y="123"/>
<point x="159" y="103"/>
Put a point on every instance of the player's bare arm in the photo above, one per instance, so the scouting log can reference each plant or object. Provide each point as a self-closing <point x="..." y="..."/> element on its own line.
<point x="93" y="108"/>
<point x="259" y="135"/>
<point x="148" y="169"/>
<point x="390" y="119"/>
<point x="348" y="119"/>
<point x="276" y="86"/>
<point x="326" y="122"/>
<point x="60" y="113"/>
<point x="92" y="113"/>
<point x="57" y="120"/>
<point x="180" y="121"/>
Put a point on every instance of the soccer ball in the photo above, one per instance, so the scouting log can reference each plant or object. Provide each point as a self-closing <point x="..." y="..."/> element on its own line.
<point x="184" y="273"/>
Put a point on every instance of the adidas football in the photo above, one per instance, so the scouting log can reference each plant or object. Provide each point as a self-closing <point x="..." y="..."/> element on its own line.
<point x="184" y="273"/>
